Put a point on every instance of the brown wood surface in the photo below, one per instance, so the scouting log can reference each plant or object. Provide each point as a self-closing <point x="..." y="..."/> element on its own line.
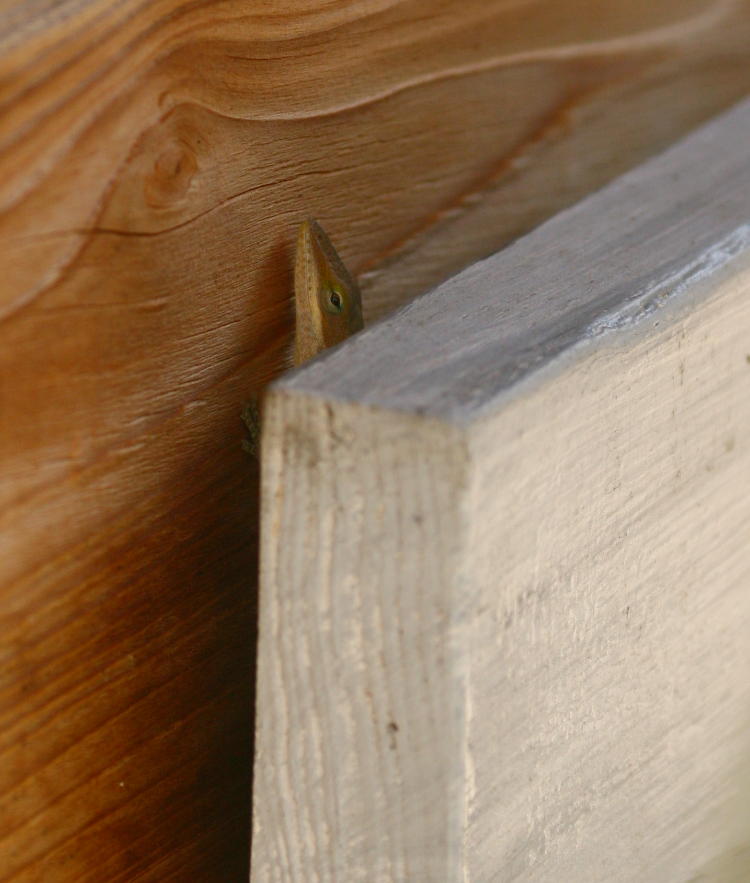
<point x="155" y="160"/>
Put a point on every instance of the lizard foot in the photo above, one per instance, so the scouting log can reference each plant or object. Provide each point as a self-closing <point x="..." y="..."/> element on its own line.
<point x="251" y="418"/>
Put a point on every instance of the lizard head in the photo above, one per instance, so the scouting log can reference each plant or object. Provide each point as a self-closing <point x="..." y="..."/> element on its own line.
<point x="328" y="301"/>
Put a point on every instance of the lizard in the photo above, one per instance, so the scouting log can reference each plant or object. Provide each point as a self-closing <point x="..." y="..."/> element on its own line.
<point x="327" y="307"/>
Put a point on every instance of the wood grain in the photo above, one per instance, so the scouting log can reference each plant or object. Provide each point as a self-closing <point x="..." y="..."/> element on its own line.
<point x="505" y="561"/>
<point x="155" y="160"/>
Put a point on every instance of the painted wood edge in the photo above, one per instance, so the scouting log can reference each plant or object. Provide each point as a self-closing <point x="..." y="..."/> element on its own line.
<point x="361" y="717"/>
<point x="615" y="259"/>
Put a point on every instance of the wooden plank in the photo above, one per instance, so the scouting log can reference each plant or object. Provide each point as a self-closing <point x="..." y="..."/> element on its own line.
<point x="505" y="565"/>
<point x="155" y="161"/>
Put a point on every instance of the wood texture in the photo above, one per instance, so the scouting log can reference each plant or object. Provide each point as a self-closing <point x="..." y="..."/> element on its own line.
<point x="155" y="161"/>
<point x="505" y="564"/>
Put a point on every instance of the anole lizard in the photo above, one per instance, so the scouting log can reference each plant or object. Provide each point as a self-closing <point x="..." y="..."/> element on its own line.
<point x="327" y="306"/>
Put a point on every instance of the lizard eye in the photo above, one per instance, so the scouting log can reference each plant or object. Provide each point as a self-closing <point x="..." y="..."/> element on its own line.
<point x="335" y="302"/>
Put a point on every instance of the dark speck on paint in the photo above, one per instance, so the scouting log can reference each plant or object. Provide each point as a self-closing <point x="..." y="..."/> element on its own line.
<point x="392" y="730"/>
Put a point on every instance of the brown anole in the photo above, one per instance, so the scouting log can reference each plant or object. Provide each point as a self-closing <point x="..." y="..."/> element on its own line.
<point x="327" y="307"/>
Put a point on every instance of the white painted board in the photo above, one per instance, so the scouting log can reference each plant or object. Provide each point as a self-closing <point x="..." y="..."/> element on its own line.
<point x="505" y="567"/>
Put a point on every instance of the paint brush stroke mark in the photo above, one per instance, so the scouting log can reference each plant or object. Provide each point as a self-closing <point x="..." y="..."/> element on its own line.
<point x="657" y="295"/>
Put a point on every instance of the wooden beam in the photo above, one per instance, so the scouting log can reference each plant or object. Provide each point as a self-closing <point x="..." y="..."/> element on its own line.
<point x="156" y="158"/>
<point x="506" y="559"/>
